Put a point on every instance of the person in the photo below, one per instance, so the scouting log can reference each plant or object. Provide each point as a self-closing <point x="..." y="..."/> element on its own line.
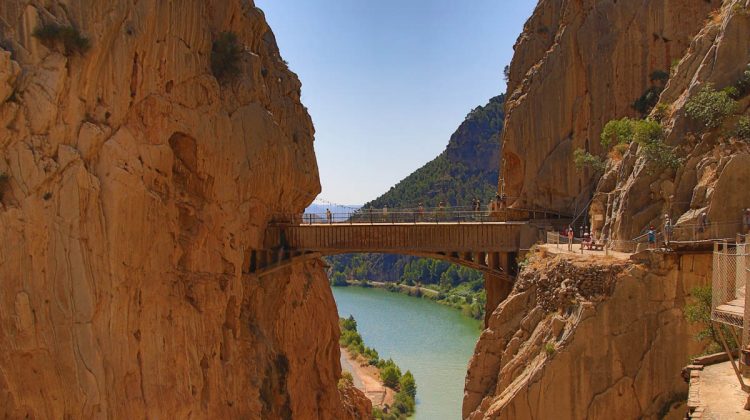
<point x="668" y="229"/>
<point x="477" y="204"/>
<point x="702" y="222"/>
<point x="441" y="210"/>
<point x="570" y="238"/>
<point x="385" y="213"/>
<point x="420" y="212"/>
<point x="651" y="237"/>
<point x="746" y="222"/>
<point x="329" y="216"/>
<point x="586" y="241"/>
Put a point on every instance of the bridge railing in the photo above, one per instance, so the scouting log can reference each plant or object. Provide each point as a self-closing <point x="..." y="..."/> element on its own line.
<point x="416" y="215"/>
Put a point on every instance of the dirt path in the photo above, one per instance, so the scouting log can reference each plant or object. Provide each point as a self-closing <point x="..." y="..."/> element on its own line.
<point x="367" y="379"/>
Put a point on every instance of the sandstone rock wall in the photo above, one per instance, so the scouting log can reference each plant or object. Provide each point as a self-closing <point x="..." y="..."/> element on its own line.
<point x="133" y="184"/>
<point x="580" y="339"/>
<point x="714" y="164"/>
<point x="577" y="65"/>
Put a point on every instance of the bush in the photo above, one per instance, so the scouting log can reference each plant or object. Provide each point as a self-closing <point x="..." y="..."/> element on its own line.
<point x="617" y="132"/>
<point x="346" y="380"/>
<point x="742" y="129"/>
<point x="403" y="403"/>
<point x="338" y="279"/>
<point x="549" y="348"/>
<point x="710" y="107"/>
<point x="390" y="375"/>
<point x="661" y="111"/>
<point x="70" y="38"/>
<point x="584" y="159"/>
<point x="225" y="57"/>
<point x="743" y="83"/>
<point x="699" y="312"/>
<point x="621" y="149"/>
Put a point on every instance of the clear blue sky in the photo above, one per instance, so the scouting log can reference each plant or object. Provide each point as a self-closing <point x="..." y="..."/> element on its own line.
<point x="388" y="81"/>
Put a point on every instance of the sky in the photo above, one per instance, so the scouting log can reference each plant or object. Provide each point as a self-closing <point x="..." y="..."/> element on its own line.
<point x="388" y="81"/>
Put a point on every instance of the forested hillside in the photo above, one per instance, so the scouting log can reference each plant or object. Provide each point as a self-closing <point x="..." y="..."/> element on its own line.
<point x="466" y="169"/>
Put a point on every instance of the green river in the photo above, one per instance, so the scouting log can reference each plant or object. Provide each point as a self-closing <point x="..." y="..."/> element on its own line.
<point x="433" y="341"/>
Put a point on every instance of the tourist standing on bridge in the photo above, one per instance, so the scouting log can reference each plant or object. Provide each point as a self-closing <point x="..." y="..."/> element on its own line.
<point x="329" y="216"/>
<point x="668" y="230"/>
<point x="420" y="212"/>
<point x="441" y="210"/>
<point x="571" y="233"/>
<point x="651" y="237"/>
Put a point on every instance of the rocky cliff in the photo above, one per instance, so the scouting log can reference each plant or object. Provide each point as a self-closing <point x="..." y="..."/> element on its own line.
<point x="713" y="159"/>
<point x="133" y="184"/>
<point x="577" y="65"/>
<point x="581" y="338"/>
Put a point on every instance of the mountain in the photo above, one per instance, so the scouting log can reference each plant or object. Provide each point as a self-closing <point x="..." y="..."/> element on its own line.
<point x="467" y="168"/>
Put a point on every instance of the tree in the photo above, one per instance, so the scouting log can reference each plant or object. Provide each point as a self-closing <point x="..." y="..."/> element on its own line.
<point x="699" y="312"/>
<point x="338" y="279"/>
<point x="583" y="159"/>
<point x="408" y="385"/>
<point x="710" y="107"/>
<point x="506" y="73"/>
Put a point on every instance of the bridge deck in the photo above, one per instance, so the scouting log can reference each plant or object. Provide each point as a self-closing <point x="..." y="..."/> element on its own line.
<point x="398" y="237"/>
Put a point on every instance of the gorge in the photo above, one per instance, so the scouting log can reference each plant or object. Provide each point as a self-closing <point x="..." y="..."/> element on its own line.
<point x="153" y="151"/>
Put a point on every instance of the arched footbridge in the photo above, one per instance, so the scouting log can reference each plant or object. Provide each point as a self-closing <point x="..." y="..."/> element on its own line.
<point x="477" y="240"/>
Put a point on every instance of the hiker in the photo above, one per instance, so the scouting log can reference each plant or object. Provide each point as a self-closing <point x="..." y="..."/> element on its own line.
<point x="746" y="222"/>
<point x="570" y="238"/>
<point x="651" y="237"/>
<point x="477" y="204"/>
<point x="329" y="216"/>
<point x="385" y="213"/>
<point x="420" y="212"/>
<point x="668" y="230"/>
<point x="586" y="241"/>
<point x="702" y="222"/>
<point x="441" y="210"/>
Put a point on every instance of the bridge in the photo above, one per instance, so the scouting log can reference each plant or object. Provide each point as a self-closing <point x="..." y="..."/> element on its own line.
<point x="479" y="240"/>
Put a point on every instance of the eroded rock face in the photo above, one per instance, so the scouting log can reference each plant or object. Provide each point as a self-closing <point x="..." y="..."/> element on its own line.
<point x="583" y="339"/>
<point x="709" y="180"/>
<point x="577" y="65"/>
<point x="134" y="185"/>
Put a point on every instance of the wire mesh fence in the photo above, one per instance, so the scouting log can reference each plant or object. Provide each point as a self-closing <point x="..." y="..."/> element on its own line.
<point x="731" y="263"/>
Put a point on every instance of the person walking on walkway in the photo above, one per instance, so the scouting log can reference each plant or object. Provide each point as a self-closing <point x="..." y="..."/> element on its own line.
<point x="441" y="210"/>
<point x="420" y="212"/>
<point x="668" y="230"/>
<point x="329" y="216"/>
<point x="702" y="222"/>
<point x="651" y="237"/>
<point x="570" y="238"/>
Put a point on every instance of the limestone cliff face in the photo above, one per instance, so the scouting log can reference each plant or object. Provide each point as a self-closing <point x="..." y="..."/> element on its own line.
<point x="133" y="185"/>
<point x="580" y="339"/>
<point x="710" y="179"/>
<point x="577" y="65"/>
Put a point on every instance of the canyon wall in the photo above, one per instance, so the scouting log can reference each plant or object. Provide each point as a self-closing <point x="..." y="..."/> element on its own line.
<point x="581" y="338"/>
<point x="133" y="184"/>
<point x="577" y="65"/>
<point x="714" y="162"/>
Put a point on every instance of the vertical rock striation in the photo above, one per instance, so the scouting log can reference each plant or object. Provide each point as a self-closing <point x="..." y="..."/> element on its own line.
<point x="577" y="65"/>
<point x="133" y="183"/>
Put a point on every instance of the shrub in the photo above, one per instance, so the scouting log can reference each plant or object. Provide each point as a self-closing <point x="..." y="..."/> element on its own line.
<point x="743" y="83"/>
<point x="661" y="111"/>
<point x="583" y="159"/>
<point x="70" y="38"/>
<point x="225" y="57"/>
<point x="346" y="380"/>
<point x="699" y="312"/>
<point x="620" y="149"/>
<point x="617" y="132"/>
<point x="338" y="279"/>
<point x="742" y="129"/>
<point x="647" y="131"/>
<point x="403" y="403"/>
<point x="549" y="348"/>
<point x="710" y="107"/>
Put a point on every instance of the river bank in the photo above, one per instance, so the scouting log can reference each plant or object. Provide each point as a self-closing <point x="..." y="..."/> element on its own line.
<point x="470" y="302"/>
<point x="367" y="379"/>
<point x="434" y="342"/>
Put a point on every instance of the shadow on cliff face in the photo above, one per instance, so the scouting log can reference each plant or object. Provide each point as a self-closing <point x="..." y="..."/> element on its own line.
<point x="273" y="393"/>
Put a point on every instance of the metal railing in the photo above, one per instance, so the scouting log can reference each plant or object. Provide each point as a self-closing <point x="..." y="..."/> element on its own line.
<point x="418" y="215"/>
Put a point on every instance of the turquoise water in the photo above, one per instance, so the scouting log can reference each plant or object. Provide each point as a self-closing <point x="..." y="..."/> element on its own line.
<point x="433" y="341"/>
